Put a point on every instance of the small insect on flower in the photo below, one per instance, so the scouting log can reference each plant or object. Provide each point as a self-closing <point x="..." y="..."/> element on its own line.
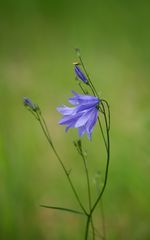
<point x="80" y="75"/>
<point x="83" y="116"/>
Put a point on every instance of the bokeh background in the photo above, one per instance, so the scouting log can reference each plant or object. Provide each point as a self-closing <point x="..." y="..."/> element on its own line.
<point x="37" y="42"/>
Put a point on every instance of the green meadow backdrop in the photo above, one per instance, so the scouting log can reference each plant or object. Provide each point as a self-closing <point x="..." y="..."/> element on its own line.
<point x="37" y="42"/>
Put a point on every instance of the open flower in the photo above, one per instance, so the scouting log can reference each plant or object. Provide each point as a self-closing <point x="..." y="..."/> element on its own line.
<point x="83" y="116"/>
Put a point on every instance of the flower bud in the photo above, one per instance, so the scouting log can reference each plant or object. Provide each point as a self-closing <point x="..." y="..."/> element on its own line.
<point x="80" y="75"/>
<point x="28" y="103"/>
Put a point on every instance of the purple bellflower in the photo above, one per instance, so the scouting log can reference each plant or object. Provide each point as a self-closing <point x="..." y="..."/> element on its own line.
<point x="80" y="75"/>
<point x="83" y="116"/>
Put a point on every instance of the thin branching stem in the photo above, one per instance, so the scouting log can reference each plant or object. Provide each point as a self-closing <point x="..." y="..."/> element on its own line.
<point x="107" y="163"/>
<point x="88" y="77"/>
<point x="88" y="188"/>
<point x="47" y="135"/>
<point x="105" y="180"/>
<point x="106" y="142"/>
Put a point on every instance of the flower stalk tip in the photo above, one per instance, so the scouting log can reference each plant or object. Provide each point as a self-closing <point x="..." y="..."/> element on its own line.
<point x="77" y="51"/>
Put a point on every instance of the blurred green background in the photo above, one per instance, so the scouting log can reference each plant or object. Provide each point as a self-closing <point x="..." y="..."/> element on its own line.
<point x="37" y="42"/>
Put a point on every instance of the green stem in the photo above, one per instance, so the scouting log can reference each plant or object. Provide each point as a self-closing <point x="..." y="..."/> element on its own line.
<point x="88" y="77"/>
<point x="87" y="226"/>
<point x="108" y="110"/>
<point x="107" y="164"/>
<point x="47" y="135"/>
<point x="100" y="125"/>
<point x="87" y="179"/>
<point x="106" y="142"/>
<point x="89" y="192"/>
<point x="107" y="145"/>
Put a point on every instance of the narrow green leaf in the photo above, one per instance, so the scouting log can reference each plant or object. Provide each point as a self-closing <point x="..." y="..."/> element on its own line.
<point x="62" y="209"/>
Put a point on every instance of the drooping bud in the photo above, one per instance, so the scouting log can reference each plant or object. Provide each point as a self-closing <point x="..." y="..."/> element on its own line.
<point x="80" y="75"/>
<point x="28" y="103"/>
